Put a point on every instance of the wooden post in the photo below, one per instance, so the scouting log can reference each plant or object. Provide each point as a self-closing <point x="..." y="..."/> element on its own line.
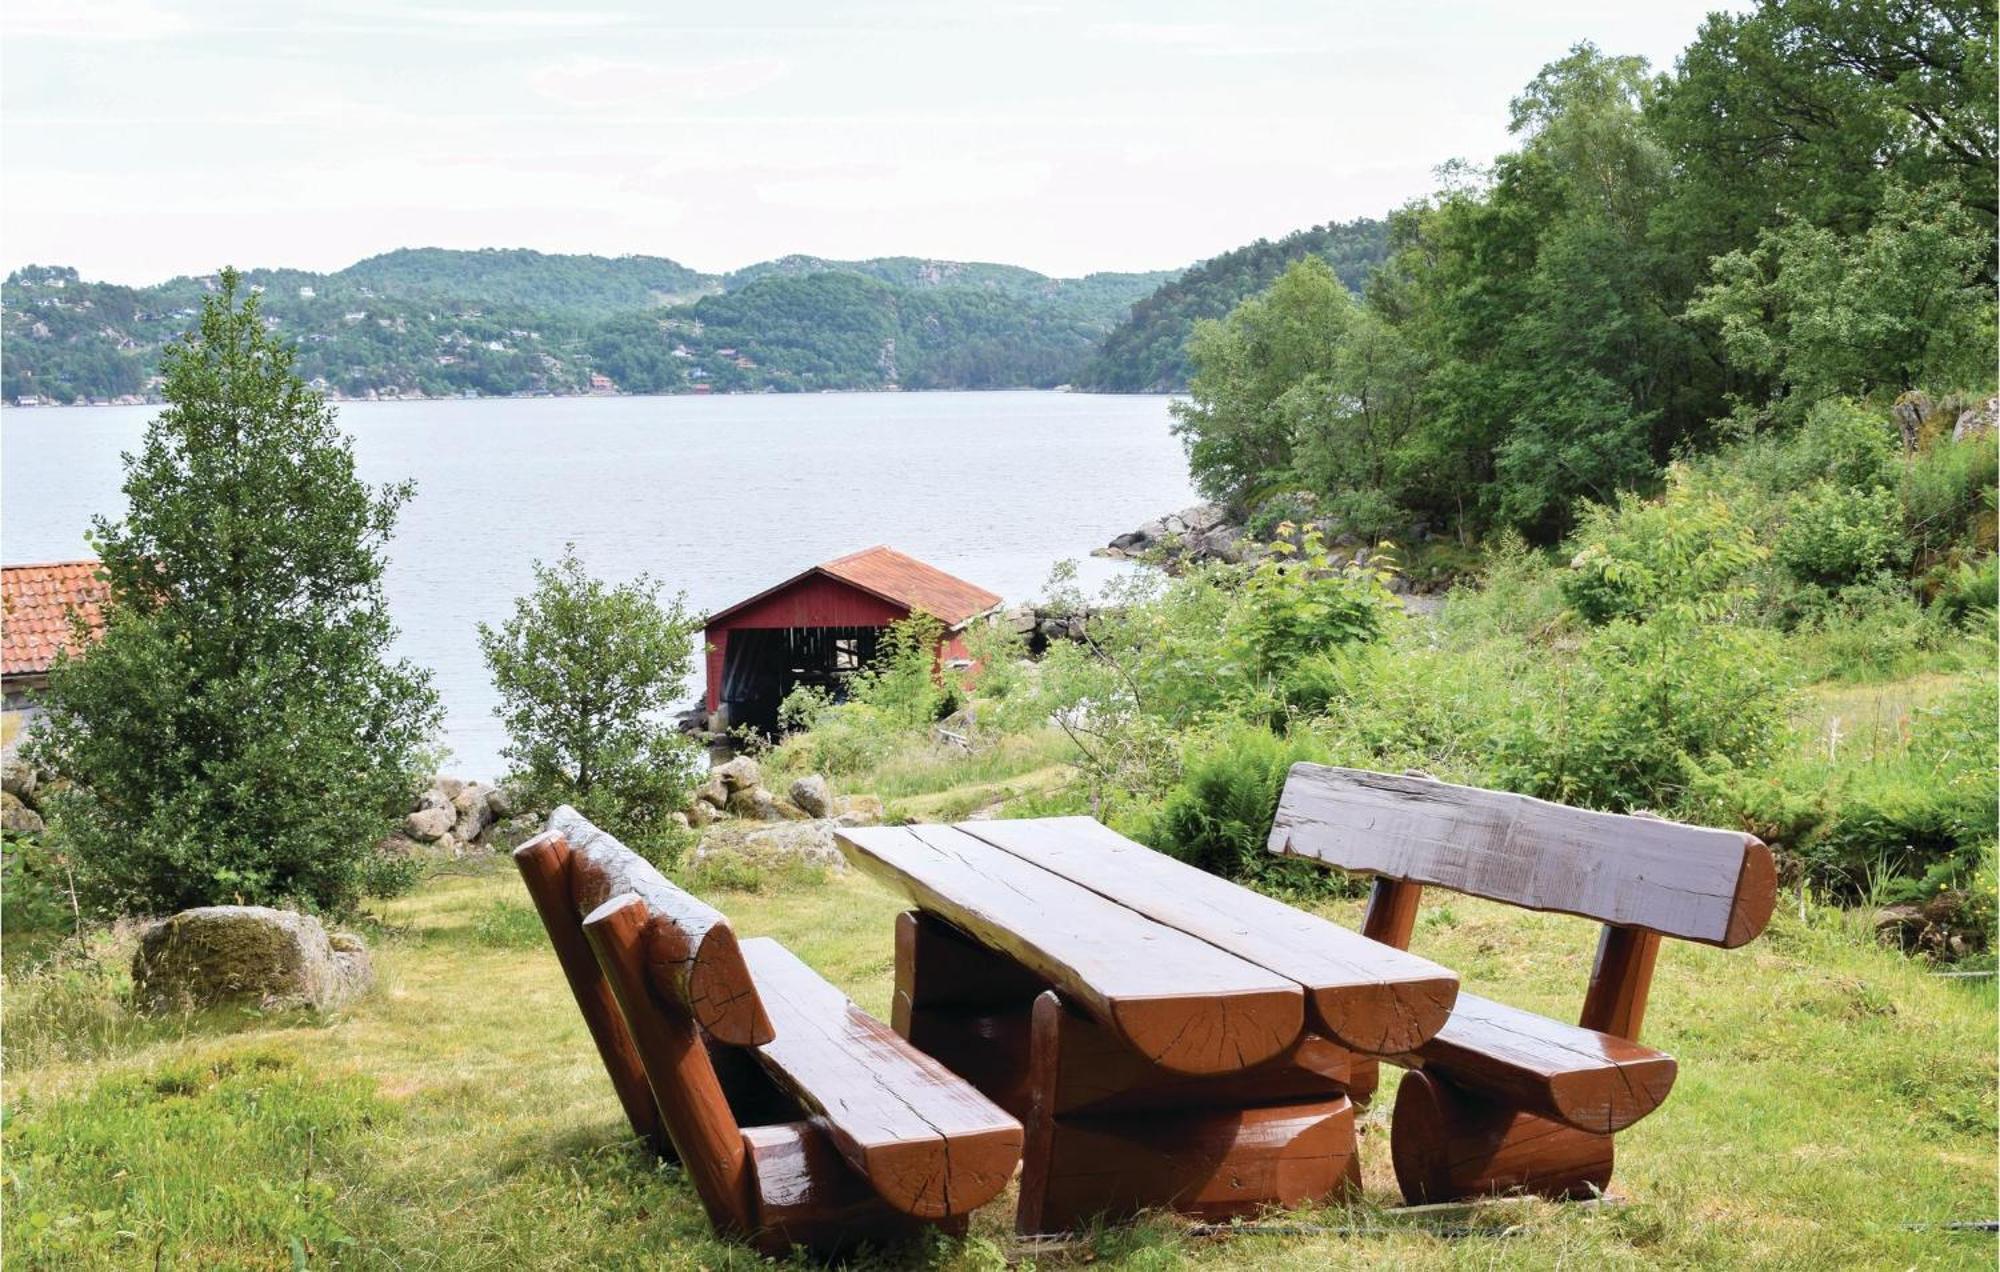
<point x="544" y="865"/>
<point x="1616" y="1003"/>
<point x="692" y="1105"/>
<point x="1391" y="918"/>
<point x="1392" y="912"/>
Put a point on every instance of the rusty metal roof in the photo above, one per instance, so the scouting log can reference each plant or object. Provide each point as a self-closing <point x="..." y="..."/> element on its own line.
<point x="35" y="606"/>
<point x="897" y="578"/>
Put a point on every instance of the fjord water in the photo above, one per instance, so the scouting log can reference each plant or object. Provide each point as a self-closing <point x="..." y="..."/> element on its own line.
<point x="720" y="496"/>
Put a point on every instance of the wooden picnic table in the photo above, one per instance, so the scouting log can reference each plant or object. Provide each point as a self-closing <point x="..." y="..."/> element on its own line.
<point x="1168" y="1037"/>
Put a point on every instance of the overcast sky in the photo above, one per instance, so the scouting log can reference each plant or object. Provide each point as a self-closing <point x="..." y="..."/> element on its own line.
<point x="146" y="138"/>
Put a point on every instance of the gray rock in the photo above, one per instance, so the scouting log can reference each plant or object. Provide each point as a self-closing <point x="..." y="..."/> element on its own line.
<point x="758" y="804"/>
<point x="807" y="842"/>
<point x="451" y="786"/>
<point x="17" y="818"/>
<point x="17" y="778"/>
<point x="714" y="792"/>
<point x="812" y="796"/>
<point x="510" y="833"/>
<point x="1976" y="420"/>
<point x="859" y="810"/>
<point x="473" y="814"/>
<point x="700" y="813"/>
<point x="428" y="824"/>
<point x="741" y="773"/>
<point x="273" y="959"/>
<point x="501" y="803"/>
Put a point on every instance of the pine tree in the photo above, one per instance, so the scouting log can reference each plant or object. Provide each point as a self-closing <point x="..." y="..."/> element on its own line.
<point x="240" y="733"/>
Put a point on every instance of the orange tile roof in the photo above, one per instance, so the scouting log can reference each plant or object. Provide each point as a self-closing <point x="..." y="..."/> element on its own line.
<point x="897" y="578"/>
<point x="35" y="605"/>
<point x="905" y="580"/>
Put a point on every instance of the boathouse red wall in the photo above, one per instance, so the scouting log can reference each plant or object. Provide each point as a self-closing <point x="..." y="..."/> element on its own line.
<point x="812" y="601"/>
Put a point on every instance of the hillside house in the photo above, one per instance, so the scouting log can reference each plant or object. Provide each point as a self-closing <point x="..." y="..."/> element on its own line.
<point x="36" y="605"/>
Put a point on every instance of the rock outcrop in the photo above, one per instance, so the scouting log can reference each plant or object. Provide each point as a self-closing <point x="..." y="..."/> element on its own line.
<point x="1205" y="532"/>
<point x="451" y="816"/>
<point x="272" y="959"/>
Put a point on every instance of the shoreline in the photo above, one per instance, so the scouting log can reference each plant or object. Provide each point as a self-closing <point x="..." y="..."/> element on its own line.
<point x="8" y="405"/>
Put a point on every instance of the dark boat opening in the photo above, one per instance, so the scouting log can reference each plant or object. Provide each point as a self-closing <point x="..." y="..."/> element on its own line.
<point x="764" y="664"/>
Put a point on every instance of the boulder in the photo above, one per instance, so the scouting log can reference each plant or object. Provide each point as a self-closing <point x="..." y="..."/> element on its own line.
<point x="740" y="774"/>
<point x="451" y="786"/>
<point x="700" y="813"/>
<point x="758" y="804"/>
<point x="399" y="846"/>
<point x="806" y="842"/>
<point x="17" y="778"/>
<point x="434" y="797"/>
<point x="714" y="792"/>
<point x="273" y="959"/>
<point x="473" y="815"/>
<point x="811" y="796"/>
<point x="1976" y="420"/>
<point x="428" y="824"/>
<point x="501" y="803"/>
<point x="17" y="818"/>
<point x="1022" y="620"/>
<point x="858" y="810"/>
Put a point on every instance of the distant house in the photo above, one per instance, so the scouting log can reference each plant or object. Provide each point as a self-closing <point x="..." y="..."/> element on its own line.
<point x="725" y="353"/>
<point x="824" y="624"/>
<point x="601" y="383"/>
<point x="36" y="606"/>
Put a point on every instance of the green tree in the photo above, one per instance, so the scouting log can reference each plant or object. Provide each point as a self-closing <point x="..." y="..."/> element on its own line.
<point x="586" y="672"/>
<point x="1901" y="305"/>
<point x="239" y="733"/>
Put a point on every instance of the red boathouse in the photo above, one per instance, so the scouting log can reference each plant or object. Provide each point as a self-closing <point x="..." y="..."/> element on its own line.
<point x="821" y="626"/>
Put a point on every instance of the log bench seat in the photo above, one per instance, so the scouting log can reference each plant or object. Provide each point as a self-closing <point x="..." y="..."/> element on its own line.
<point x="799" y="1119"/>
<point x="1502" y="1099"/>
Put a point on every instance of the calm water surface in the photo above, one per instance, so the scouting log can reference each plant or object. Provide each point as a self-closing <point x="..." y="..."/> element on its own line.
<point x="718" y="496"/>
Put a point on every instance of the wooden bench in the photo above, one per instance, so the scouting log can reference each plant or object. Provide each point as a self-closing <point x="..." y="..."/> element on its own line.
<point x="1502" y="1099"/>
<point x="799" y="1119"/>
<point x="1169" y="1038"/>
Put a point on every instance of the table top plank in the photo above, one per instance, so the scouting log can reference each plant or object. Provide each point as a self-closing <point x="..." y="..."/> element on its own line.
<point x="1186" y="1005"/>
<point x="1369" y="996"/>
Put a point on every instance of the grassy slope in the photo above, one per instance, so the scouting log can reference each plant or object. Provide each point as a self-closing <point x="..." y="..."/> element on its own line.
<point x="1830" y="1093"/>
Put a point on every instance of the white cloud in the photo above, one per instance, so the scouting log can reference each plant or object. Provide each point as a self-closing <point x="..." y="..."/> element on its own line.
<point x="89" y="20"/>
<point x="599" y="81"/>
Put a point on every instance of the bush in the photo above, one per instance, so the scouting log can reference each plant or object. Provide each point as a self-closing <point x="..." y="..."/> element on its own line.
<point x="1947" y="493"/>
<point x="1967" y="589"/>
<point x="1638" y="557"/>
<point x="586" y="672"/>
<point x="1834" y="534"/>
<point x="1923" y="820"/>
<point x="1218" y="816"/>
<point x="1647" y="716"/>
<point x="239" y="733"/>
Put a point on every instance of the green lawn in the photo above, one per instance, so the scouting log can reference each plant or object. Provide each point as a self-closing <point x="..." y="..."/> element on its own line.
<point x="1830" y="1094"/>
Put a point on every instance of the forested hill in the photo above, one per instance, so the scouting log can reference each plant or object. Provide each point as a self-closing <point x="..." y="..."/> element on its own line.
<point x="433" y="322"/>
<point x="1147" y="352"/>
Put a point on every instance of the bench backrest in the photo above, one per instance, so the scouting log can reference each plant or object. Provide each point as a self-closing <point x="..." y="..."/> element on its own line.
<point x="658" y="976"/>
<point x="692" y="956"/>
<point x="1712" y="886"/>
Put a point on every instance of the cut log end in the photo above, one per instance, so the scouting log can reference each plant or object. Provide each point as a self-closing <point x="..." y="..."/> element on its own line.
<point x="1388" y="1019"/>
<point x="722" y="996"/>
<point x="1451" y="1145"/>
<point x="1602" y="1101"/>
<point x="933" y="1179"/>
<point x="1756" y="895"/>
<point x="1216" y="1035"/>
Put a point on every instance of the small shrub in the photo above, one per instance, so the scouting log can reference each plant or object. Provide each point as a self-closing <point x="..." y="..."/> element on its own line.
<point x="1835" y="535"/>
<point x="1219" y="815"/>
<point x="1968" y="588"/>
<point x="1637" y="557"/>
<point x="1947" y="493"/>
<point x="1647" y="712"/>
